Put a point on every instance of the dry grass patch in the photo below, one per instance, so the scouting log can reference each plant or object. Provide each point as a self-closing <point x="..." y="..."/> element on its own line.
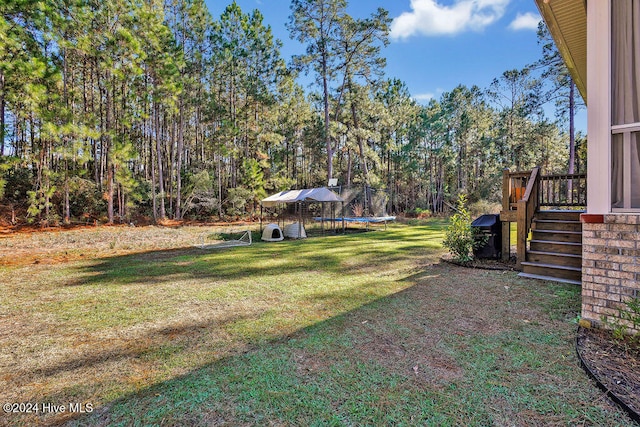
<point x="53" y="246"/>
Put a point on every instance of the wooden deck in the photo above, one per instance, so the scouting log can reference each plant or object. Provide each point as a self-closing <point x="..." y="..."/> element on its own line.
<point x="549" y="232"/>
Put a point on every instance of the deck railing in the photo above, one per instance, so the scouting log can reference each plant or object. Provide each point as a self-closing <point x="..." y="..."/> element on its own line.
<point x="513" y="188"/>
<point x="563" y="190"/>
<point x="527" y="207"/>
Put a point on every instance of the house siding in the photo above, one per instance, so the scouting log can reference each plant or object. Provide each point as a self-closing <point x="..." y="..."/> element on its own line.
<point x="610" y="266"/>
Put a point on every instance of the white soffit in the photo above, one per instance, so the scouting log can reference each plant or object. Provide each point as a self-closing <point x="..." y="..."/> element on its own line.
<point x="567" y="23"/>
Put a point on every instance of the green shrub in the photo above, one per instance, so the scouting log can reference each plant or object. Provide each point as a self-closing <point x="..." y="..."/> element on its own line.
<point x="422" y="213"/>
<point x="237" y="200"/>
<point x="40" y="206"/>
<point x="460" y="238"/>
<point x="15" y="179"/>
<point x="200" y="195"/>
<point x="419" y="213"/>
<point x="85" y="199"/>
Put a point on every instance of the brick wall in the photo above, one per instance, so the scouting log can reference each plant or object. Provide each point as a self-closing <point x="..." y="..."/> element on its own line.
<point x="610" y="265"/>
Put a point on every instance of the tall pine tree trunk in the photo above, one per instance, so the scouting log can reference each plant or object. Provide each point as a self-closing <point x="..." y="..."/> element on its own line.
<point x="2" y="108"/>
<point x="361" y="148"/>
<point x="349" y="167"/>
<point x="327" y="136"/>
<point x="162" y="213"/>
<point x="109" y="165"/>
<point x="67" y="207"/>
<point x="178" y="214"/>
<point x="153" y="174"/>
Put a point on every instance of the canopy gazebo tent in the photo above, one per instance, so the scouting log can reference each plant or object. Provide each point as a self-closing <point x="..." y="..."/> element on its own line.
<point x="322" y="194"/>
<point x="310" y="195"/>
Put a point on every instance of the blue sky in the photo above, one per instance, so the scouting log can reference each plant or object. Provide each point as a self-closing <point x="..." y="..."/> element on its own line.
<point x="435" y="45"/>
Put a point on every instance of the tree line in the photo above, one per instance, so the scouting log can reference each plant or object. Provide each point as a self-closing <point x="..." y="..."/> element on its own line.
<point x="113" y="110"/>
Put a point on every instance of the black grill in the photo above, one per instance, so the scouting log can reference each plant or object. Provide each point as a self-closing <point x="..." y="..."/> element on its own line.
<point x="490" y="226"/>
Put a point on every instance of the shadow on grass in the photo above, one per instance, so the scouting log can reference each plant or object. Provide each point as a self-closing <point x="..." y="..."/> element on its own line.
<point x="397" y="360"/>
<point x="169" y="336"/>
<point x="326" y="254"/>
<point x="288" y="379"/>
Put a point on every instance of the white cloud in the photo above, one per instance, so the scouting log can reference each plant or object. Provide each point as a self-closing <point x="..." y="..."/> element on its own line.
<point x="424" y="97"/>
<point x="526" y="21"/>
<point x="430" y="18"/>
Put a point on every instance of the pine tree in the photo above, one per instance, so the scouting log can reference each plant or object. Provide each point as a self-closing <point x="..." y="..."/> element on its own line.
<point x="316" y="23"/>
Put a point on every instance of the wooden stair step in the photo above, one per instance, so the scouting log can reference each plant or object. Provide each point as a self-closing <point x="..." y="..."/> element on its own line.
<point x="556" y="221"/>
<point x="552" y="270"/>
<point x="556" y="224"/>
<point x="559" y="221"/>
<point x="560" y="231"/>
<point x="559" y="267"/>
<point x="556" y="246"/>
<point x="557" y="236"/>
<point x="560" y="214"/>
<point x="555" y="279"/>
<point x="572" y="260"/>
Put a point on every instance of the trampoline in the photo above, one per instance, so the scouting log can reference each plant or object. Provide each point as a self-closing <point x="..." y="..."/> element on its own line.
<point x="361" y="219"/>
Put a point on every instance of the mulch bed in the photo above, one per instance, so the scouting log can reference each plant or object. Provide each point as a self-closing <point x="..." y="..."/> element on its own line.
<point x="614" y="364"/>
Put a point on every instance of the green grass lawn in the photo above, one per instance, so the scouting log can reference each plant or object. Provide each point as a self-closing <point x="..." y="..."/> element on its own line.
<point x="362" y="329"/>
